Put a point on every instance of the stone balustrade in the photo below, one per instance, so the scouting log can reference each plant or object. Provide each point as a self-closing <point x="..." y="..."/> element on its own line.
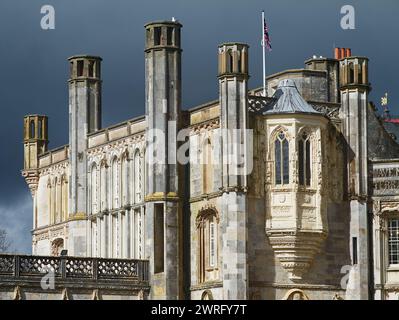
<point x="21" y="277"/>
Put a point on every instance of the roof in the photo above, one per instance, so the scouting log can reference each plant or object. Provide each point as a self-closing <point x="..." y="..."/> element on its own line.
<point x="287" y="99"/>
<point x="381" y="137"/>
<point x="392" y="127"/>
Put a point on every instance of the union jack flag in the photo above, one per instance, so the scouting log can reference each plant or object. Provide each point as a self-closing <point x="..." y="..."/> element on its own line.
<point x="266" y="40"/>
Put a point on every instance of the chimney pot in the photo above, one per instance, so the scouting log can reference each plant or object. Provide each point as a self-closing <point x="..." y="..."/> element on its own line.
<point x="348" y="52"/>
<point x="337" y="54"/>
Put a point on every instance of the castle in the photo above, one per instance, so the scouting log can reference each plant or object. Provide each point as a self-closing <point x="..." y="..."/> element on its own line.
<point x="293" y="195"/>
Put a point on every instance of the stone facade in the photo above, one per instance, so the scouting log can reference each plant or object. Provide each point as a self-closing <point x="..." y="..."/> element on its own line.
<point x="281" y="197"/>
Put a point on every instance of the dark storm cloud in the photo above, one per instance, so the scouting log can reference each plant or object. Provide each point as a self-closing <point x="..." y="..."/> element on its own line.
<point x="33" y="71"/>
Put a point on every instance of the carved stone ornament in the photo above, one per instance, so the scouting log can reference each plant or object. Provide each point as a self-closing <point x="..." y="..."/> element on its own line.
<point x="296" y="250"/>
<point x="32" y="180"/>
<point x="389" y="206"/>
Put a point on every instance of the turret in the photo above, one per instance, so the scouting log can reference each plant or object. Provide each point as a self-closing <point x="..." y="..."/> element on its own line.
<point x="235" y="139"/>
<point x="354" y="88"/>
<point x="84" y="118"/>
<point x="35" y="139"/>
<point x="233" y="87"/>
<point x="35" y="144"/>
<point x="163" y="206"/>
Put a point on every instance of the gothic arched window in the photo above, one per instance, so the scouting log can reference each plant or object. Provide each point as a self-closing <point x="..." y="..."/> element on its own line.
<point x="281" y="155"/>
<point x="94" y="189"/>
<point x="304" y="158"/>
<point x="207" y="167"/>
<point x="137" y="176"/>
<point x="207" y="224"/>
<point x="50" y="201"/>
<point x="64" y="196"/>
<point x="56" y="207"/>
<point x="56" y="246"/>
<point x="115" y="183"/>
<point x="103" y="185"/>
<point x="125" y="179"/>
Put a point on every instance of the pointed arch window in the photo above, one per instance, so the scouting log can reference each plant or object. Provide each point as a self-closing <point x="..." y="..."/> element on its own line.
<point x="137" y="177"/>
<point x="207" y="224"/>
<point x="281" y="153"/>
<point x="64" y="196"/>
<point x="115" y="183"/>
<point x="124" y="179"/>
<point x="94" y="189"/>
<point x="103" y="185"/>
<point x="304" y="158"/>
<point x="207" y="167"/>
<point x="56" y="201"/>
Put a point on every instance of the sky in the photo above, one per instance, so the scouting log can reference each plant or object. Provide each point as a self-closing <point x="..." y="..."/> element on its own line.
<point x="34" y="68"/>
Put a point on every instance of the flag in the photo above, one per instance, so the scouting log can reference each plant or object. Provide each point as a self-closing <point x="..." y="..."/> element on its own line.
<point x="266" y="40"/>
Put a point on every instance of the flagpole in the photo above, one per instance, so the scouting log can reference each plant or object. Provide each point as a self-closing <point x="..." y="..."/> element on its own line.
<point x="264" y="54"/>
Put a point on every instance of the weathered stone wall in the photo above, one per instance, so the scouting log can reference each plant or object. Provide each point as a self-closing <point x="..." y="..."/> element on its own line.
<point x="205" y="183"/>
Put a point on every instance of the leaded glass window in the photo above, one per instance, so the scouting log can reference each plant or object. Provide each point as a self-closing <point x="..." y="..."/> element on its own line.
<point x="304" y="158"/>
<point x="393" y="240"/>
<point x="281" y="153"/>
